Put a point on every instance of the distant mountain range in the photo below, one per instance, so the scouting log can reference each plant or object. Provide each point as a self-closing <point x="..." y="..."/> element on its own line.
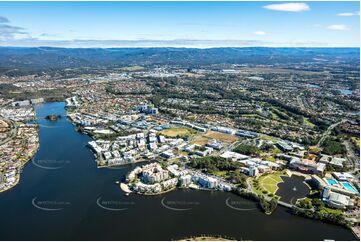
<point x="44" y="58"/>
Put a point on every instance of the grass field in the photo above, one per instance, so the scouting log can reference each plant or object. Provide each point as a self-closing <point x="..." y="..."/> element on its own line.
<point x="200" y="140"/>
<point x="178" y="132"/>
<point x="307" y="122"/>
<point x="269" y="182"/>
<point x="132" y="68"/>
<point x="356" y="142"/>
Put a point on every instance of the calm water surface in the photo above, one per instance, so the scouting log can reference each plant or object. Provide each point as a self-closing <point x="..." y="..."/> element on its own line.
<point x="62" y="195"/>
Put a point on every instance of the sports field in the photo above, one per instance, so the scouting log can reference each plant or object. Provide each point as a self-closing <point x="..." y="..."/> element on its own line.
<point x="178" y="132"/>
<point x="269" y="182"/>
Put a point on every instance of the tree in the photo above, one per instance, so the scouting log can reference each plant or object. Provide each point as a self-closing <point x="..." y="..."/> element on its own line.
<point x="268" y="206"/>
<point x="305" y="203"/>
<point x="238" y="178"/>
<point x="333" y="147"/>
<point x="247" y="149"/>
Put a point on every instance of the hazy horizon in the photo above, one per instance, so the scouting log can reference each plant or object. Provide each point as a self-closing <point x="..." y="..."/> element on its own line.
<point x="180" y="24"/>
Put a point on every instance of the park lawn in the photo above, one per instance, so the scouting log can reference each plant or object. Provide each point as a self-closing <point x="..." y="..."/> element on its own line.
<point x="178" y="132"/>
<point x="270" y="182"/>
<point x="227" y="138"/>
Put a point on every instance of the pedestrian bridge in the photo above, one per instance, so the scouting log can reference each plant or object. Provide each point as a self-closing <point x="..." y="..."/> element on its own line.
<point x="284" y="204"/>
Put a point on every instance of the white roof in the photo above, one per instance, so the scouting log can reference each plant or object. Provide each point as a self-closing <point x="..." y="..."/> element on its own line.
<point x="338" y="198"/>
<point x="231" y="154"/>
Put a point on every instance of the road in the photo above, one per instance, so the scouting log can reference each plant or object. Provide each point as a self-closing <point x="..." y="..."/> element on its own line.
<point x="328" y="131"/>
<point x="13" y="132"/>
<point x="352" y="158"/>
<point x="300" y="102"/>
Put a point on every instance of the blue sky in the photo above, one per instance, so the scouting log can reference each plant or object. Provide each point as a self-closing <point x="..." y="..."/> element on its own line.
<point x="179" y="24"/>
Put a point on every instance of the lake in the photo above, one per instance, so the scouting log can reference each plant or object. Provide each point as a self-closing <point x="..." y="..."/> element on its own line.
<point x="62" y="195"/>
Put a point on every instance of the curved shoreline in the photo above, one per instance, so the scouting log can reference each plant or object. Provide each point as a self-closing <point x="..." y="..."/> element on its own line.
<point x="21" y="167"/>
<point x="159" y="193"/>
<point x="127" y="190"/>
<point x="206" y="238"/>
<point x="11" y="187"/>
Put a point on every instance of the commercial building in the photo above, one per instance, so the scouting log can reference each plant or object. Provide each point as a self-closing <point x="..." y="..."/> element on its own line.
<point x="253" y="171"/>
<point x="284" y="146"/>
<point x="21" y="103"/>
<point x="185" y="181"/>
<point x="336" y="200"/>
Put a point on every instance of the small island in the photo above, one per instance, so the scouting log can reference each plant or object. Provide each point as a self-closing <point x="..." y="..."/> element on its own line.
<point x="53" y="117"/>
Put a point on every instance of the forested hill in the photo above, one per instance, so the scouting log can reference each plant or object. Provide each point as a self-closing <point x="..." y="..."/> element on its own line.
<point x="43" y="58"/>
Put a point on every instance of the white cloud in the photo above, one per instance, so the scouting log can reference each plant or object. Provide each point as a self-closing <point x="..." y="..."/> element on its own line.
<point x="259" y="33"/>
<point x="288" y="7"/>
<point x="3" y="20"/>
<point x="348" y="14"/>
<point x="340" y="27"/>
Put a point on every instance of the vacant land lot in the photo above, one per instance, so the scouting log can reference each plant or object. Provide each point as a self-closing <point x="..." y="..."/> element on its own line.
<point x="178" y="132"/>
<point x="200" y="140"/>
<point x="270" y="182"/>
<point x="203" y="139"/>
<point x="227" y="138"/>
